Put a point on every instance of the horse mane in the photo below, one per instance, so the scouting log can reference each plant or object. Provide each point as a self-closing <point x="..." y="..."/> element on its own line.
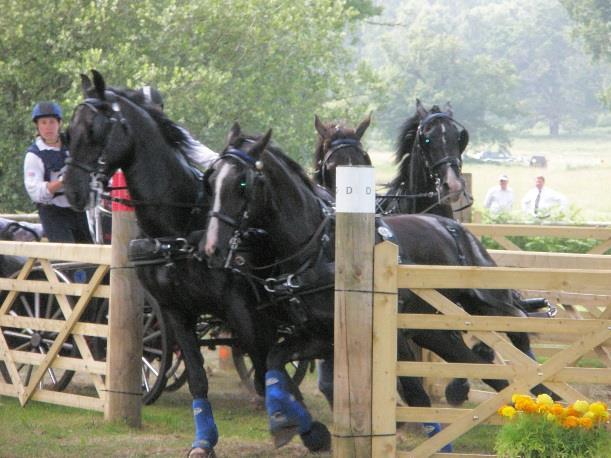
<point x="174" y="135"/>
<point x="274" y="151"/>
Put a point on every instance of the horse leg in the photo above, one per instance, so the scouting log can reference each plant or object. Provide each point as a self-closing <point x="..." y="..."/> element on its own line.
<point x="288" y="415"/>
<point x="255" y="342"/>
<point x="521" y="340"/>
<point x="206" y="432"/>
<point x="324" y="367"/>
<point x="457" y="391"/>
<point x="451" y="347"/>
<point x="412" y="391"/>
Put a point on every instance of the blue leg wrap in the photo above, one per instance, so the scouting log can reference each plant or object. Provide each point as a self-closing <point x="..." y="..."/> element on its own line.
<point x="206" y="433"/>
<point x="283" y="409"/>
<point x="531" y="355"/>
<point x="432" y="429"/>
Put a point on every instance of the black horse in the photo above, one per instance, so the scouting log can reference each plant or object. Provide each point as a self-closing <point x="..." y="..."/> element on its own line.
<point x="354" y="154"/>
<point x="429" y="150"/>
<point x="257" y="186"/>
<point x="338" y="144"/>
<point x="111" y="130"/>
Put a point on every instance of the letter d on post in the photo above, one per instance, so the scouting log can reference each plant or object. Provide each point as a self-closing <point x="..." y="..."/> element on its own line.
<point x="354" y="241"/>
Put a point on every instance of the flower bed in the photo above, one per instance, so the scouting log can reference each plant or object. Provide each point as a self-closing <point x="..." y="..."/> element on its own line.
<point x="540" y="428"/>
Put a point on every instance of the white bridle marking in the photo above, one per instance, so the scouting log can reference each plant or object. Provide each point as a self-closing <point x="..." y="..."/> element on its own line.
<point x="213" y="226"/>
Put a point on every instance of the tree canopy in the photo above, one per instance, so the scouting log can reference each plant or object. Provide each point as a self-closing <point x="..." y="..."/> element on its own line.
<point x="263" y="62"/>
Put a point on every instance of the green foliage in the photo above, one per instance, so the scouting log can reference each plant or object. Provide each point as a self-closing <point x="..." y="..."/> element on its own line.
<point x="545" y="244"/>
<point x="265" y="63"/>
<point x="531" y="436"/>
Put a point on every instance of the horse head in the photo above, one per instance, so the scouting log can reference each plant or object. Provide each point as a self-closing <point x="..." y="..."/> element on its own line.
<point x="338" y="145"/>
<point x="439" y="143"/>
<point x="255" y="186"/>
<point x="99" y="139"/>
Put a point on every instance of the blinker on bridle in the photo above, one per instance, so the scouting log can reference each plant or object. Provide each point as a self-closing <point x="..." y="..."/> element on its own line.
<point x="335" y="146"/>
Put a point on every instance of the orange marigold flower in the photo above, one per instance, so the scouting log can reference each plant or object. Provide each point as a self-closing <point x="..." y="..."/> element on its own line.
<point x="585" y="422"/>
<point x="570" y="422"/>
<point x="557" y="409"/>
<point x="572" y="412"/>
<point x="516" y="397"/>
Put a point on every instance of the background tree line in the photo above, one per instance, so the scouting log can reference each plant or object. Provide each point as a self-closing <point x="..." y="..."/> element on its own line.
<point x="505" y="65"/>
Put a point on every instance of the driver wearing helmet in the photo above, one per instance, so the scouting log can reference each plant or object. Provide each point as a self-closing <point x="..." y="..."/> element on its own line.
<point x="43" y="169"/>
<point x="198" y="154"/>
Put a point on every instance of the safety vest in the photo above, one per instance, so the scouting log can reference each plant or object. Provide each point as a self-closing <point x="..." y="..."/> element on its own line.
<point x="53" y="160"/>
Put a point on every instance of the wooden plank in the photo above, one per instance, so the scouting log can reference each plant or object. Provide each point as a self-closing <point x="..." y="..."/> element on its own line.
<point x="353" y="334"/>
<point x="95" y="254"/>
<point x="540" y="259"/>
<point x="383" y="426"/>
<point x="60" y="362"/>
<point x="505" y="242"/>
<point x="59" y="398"/>
<point x="437" y="415"/>
<point x="44" y="287"/>
<point x="124" y="349"/>
<point x="532" y="230"/>
<point x="601" y="248"/>
<point x="497" y="371"/>
<point x="46" y="324"/>
<point x="498" y="323"/>
<point x="79" y="308"/>
<point x="10" y="297"/>
<point x="576" y="280"/>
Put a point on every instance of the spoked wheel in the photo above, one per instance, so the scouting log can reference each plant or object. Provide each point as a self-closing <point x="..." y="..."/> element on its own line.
<point x="39" y="305"/>
<point x="155" y="352"/>
<point x="176" y="375"/>
<point x="243" y="364"/>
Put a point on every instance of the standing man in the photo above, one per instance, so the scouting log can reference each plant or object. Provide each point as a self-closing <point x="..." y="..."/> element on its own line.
<point x="540" y="200"/>
<point x="43" y="169"/>
<point x="499" y="199"/>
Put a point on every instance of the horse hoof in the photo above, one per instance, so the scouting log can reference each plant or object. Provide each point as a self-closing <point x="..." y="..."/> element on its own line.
<point x="283" y="436"/>
<point x="318" y="438"/>
<point x="198" y="452"/>
<point x="457" y="391"/>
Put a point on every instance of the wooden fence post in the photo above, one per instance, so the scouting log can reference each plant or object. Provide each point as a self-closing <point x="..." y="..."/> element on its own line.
<point x="124" y="348"/>
<point x="352" y="412"/>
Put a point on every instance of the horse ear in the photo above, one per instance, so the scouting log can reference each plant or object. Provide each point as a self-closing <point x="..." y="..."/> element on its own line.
<point x="362" y="127"/>
<point x="421" y="110"/>
<point x="448" y="109"/>
<point x="99" y="84"/>
<point x="234" y="133"/>
<point x="260" y="145"/>
<point x="320" y="127"/>
<point x="85" y="84"/>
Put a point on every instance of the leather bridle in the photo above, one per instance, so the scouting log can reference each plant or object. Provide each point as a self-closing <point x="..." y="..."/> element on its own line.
<point x="337" y="145"/>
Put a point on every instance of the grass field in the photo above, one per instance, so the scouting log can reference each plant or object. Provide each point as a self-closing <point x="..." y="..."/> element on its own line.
<point x="579" y="166"/>
<point x="44" y="430"/>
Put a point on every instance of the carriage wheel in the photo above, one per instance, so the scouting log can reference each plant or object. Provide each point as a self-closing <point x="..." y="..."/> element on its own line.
<point x="176" y="375"/>
<point x="243" y="364"/>
<point x="39" y="305"/>
<point x="155" y="351"/>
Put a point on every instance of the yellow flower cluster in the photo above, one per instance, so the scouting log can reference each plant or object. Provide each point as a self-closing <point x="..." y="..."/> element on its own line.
<point x="579" y="414"/>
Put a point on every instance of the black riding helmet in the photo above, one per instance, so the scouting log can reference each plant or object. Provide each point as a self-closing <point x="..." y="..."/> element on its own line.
<point x="151" y="96"/>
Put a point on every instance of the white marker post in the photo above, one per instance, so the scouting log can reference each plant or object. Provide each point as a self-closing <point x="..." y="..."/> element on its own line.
<point x="354" y="242"/>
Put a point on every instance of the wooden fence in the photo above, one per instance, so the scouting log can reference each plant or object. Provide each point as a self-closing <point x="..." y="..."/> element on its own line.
<point x="581" y="337"/>
<point x="72" y="299"/>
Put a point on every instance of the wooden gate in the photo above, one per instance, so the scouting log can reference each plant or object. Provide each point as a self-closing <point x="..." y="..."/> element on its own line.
<point x="72" y="301"/>
<point x="581" y="337"/>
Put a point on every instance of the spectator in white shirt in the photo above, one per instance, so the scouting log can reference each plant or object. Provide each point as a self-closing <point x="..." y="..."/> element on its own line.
<point x="540" y="200"/>
<point x="499" y="199"/>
